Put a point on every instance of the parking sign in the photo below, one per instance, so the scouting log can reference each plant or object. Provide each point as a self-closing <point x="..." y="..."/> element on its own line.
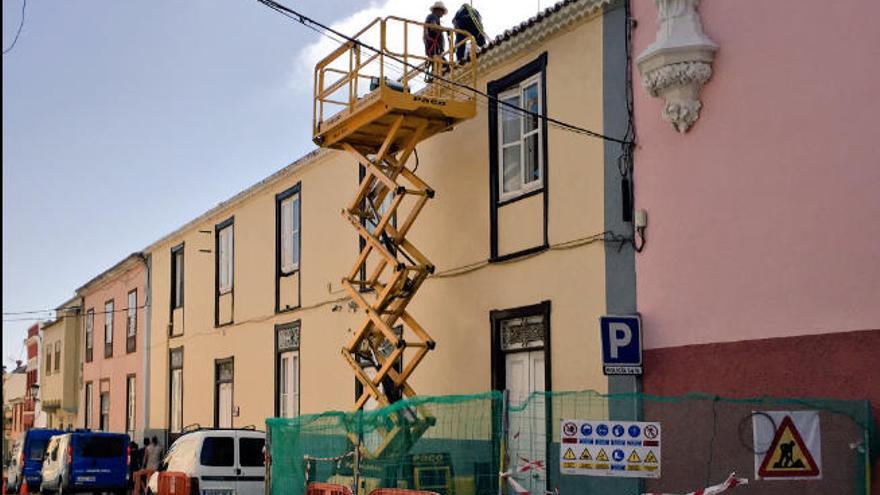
<point x="621" y="344"/>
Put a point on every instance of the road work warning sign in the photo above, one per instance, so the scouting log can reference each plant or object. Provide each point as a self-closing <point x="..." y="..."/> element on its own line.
<point x="610" y="448"/>
<point x="787" y="445"/>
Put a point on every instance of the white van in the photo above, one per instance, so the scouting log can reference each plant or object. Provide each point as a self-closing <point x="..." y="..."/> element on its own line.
<point x="218" y="461"/>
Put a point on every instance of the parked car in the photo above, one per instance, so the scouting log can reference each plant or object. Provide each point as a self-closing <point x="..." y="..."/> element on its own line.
<point x="86" y="461"/>
<point x="218" y="461"/>
<point x="28" y="459"/>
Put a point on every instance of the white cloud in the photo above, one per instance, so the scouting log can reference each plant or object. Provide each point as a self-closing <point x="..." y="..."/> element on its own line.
<point x="497" y="15"/>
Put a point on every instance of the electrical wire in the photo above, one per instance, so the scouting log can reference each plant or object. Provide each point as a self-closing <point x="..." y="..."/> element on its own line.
<point x="312" y="24"/>
<point x="61" y="317"/>
<point x="18" y="32"/>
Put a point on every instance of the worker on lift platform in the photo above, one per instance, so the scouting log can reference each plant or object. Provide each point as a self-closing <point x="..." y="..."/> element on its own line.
<point x="467" y="19"/>
<point x="434" y="44"/>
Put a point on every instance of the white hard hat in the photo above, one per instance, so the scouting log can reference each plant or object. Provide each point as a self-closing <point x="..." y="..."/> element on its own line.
<point x="439" y="5"/>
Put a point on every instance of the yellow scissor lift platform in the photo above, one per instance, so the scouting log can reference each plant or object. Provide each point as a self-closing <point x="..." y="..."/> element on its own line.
<point x="376" y="97"/>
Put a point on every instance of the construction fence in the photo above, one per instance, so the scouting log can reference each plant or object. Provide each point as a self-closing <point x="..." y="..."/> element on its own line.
<point x="579" y="443"/>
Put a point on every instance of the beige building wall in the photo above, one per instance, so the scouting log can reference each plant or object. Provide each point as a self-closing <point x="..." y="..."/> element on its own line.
<point x="453" y="231"/>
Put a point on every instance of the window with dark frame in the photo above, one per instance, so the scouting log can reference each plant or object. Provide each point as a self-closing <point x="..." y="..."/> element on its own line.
<point x="225" y="259"/>
<point x="104" y="419"/>
<point x="385" y="348"/>
<point x="48" y="359"/>
<point x="130" y="398"/>
<point x="519" y="139"/>
<point x="372" y="221"/>
<point x="90" y="334"/>
<point x="87" y="403"/>
<point x="58" y="356"/>
<point x="131" y="322"/>
<point x="288" y="241"/>
<point x="287" y="369"/>
<point x="224" y="268"/>
<point x="177" y="277"/>
<point x="175" y="389"/>
<point x="518" y="163"/>
<point x="108" y="329"/>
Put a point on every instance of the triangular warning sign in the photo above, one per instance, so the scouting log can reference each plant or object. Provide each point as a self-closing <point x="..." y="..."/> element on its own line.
<point x="602" y="456"/>
<point x="569" y="455"/>
<point x="650" y="457"/>
<point x="585" y="455"/>
<point x="634" y="457"/>
<point x="788" y="456"/>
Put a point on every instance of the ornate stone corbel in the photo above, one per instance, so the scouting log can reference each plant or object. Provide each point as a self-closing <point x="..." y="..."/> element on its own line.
<point x="679" y="62"/>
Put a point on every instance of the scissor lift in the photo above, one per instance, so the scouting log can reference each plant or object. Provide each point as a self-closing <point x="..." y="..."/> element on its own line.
<point x="377" y="97"/>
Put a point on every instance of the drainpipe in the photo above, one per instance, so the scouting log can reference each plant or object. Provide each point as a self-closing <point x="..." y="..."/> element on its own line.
<point x="145" y="372"/>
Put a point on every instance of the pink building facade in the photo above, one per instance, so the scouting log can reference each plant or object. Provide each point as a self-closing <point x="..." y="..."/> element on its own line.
<point x="761" y="274"/>
<point x="113" y="335"/>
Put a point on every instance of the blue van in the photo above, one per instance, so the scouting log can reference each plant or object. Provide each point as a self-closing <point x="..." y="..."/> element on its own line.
<point x="86" y="461"/>
<point x="29" y="459"/>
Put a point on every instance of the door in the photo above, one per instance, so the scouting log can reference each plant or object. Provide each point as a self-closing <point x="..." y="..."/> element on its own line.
<point x="223" y="393"/>
<point x="527" y="434"/>
<point x="250" y="470"/>
<point x="288" y="388"/>
<point x="224" y="405"/>
<point x="217" y="464"/>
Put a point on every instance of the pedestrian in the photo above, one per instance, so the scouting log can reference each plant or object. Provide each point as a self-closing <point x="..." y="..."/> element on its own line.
<point x="142" y="476"/>
<point x="467" y="19"/>
<point x="155" y="455"/>
<point x="433" y="38"/>
<point x="134" y="462"/>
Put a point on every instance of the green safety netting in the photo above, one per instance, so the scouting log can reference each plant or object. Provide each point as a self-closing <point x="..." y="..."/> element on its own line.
<point x="469" y="444"/>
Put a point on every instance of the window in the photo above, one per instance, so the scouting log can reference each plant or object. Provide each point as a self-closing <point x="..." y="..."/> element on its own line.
<point x="108" y="329"/>
<point x="250" y="452"/>
<point x="101" y="447"/>
<point x="130" y="394"/>
<point x="36" y="448"/>
<point x="87" y="416"/>
<point x="520" y="139"/>
<point x="175" y="373"/>
<point x="104" y="424"/>
<point x="131" y="322"/>
<point x="290" y="233"/>
<point x="90" y="332"/>
<point x="287" y="369"/>
<point x="177" y="277"/>
<point x="48" y="359"/>
<point x="289" y="386"/>
<point x="58" y="356"/>
<point x="217" y="451"/>
<point x="225" y="258"/>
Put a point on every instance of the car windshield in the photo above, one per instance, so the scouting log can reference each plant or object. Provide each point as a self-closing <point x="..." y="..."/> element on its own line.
<point x="36" y="448"/>
<point x="100" y="446"/>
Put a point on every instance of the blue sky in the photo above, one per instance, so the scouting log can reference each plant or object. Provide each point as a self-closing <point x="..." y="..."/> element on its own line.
<point x="113" y="111"/>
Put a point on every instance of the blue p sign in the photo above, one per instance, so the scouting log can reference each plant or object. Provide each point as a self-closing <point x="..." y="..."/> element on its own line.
<point x="621" y="344"/>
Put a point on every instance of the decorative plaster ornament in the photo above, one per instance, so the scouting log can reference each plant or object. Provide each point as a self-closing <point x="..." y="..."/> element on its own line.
<point x="679" y="62"/>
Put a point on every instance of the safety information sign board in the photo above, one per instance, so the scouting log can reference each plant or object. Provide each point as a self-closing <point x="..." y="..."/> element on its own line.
<point x="787" y="445"/>
<point x="628" y="449"/>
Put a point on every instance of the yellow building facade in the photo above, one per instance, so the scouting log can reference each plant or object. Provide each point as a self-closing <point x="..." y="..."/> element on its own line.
<point x="61" y="367"/>
<point x="247" y="313"/>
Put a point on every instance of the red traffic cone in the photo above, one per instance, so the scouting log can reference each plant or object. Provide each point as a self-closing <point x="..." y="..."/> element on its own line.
<point x="24" y="488"/>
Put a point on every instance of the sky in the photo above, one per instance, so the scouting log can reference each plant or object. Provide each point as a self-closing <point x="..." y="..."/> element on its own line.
<point x="113" y="111"/>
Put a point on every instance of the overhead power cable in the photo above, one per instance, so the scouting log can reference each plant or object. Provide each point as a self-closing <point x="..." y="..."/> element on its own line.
<point x="314" y="25"/>
<point x="42" y="315"/>
<point x="20" y="25"/>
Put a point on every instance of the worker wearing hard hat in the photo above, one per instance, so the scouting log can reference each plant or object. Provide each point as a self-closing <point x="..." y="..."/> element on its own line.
<point x="434" y="44"/>
<point x="467" y="19"/>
